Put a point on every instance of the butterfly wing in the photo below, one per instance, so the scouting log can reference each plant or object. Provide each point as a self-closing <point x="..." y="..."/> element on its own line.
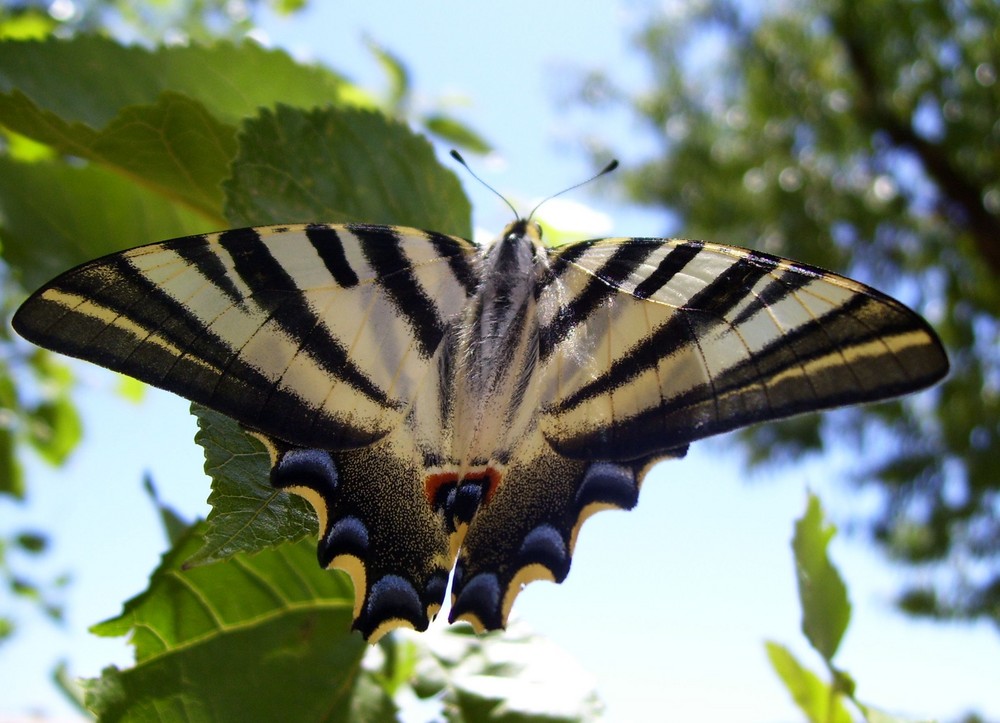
<point x="650" y="344"/>
<point x="317" y="335"/>
<point x="319" y="339"/>
<point x="645" y="345"/>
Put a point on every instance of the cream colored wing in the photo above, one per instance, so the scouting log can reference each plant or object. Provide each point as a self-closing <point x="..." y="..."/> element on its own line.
<point x="649" y="344"/>
<point x="317" y="335"/>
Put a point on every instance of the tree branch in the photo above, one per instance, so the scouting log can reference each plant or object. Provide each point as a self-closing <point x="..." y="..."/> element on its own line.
<point x="964" y="199"/>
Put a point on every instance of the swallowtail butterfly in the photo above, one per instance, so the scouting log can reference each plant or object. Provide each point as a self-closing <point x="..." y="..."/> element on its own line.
<point x="444" y="405"/>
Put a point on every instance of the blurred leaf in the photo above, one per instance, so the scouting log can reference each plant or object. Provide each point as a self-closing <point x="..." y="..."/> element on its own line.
<point x="371" y="703"/>
<point x="874" y="715"/>
<point x="453" y="131"/>
<point x="28" y="24"/>
<point x="174" y="526"/>
<point x="399" y="661"/>
<point x="24" y="149"/>
<point x="396" y="71"/>
<point x="33" y="542"/>
<point x="57" y="216"/>
<point x="260" y="637"/>
<point x="69" y="686"/>
<point x="287" y="7"/>
<point x="813" y="697"/>
<point x="56" y="429"/>
<point x="341" y="165"/>
<point x="826" y="610"/>
<point x="99" y="77"/>
<point x="11" y="475"/>
<point x="511" y="676"/>
<point x="248" y="515"/>
<point x="131" y="389"/>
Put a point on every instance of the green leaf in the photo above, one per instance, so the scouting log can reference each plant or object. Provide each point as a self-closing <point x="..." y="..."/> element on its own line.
<point x="261" y="637"/>
<point x="174" y="526"/>
<point x="874" y="715"/>
<point x="56" y="216"/>
<point x="371" y="703"/>
<point x="248" y="515"/>
<point x="69" y="686"/>
<point x="27" y="24"/>
<point x="826" y="610"/>
<point x="453" y="131"/>
<point x="56" y="429"/>
<point x="32" y="542"/>
<point x="11" y="474"/>
<point x="98" y="78"/>
<point x="340" y="165"/>
<point x="815" y="698"/>
<point x="397" y="73"/>
<point x="172" y="146"/>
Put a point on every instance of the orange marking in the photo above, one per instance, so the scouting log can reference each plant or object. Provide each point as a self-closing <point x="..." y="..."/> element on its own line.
<point x="435" y="481"/>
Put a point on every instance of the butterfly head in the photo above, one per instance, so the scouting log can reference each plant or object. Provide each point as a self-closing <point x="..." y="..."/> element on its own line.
<point x="522" y="229"/>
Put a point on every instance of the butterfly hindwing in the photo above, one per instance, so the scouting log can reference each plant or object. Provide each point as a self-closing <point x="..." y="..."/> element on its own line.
<point x="375" y="523"/>
<point x="529" y="529"/>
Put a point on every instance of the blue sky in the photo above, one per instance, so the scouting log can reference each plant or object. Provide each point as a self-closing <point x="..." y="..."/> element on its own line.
<point x="667" y="606"/>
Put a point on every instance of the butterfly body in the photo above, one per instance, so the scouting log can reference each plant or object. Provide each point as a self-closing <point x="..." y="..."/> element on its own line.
<point x="446" y="406"/>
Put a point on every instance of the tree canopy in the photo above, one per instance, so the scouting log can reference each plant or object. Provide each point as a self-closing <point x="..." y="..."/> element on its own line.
<point x="861" y="136"/>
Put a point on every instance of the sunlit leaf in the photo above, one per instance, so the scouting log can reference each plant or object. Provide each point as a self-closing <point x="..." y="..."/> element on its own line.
<point x="813" y="697"/>
<point x="98" y="78"/>
<point x="396" y="72"/>
<point x="826" y="610"/>
<point x="248" y="515"/>
<point x="453" y="131"/>
<point x="260" y="637"/>
<point x="56" y="216"/>
<point x="340" y="165"/>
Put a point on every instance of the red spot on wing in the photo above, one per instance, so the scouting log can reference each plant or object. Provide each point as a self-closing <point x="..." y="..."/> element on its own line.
<point x="434" y="482"/>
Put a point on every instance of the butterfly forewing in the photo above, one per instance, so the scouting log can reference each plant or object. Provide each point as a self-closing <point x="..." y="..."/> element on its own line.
<point x="701" y="339"/>
<point x="317" y="335"/>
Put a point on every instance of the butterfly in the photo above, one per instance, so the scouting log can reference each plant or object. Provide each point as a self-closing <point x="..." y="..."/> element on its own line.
<point x="445" y="406"/>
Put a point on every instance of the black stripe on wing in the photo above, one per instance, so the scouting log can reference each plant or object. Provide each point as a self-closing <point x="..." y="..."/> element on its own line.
<point x="670" y="265"/>
<point x="727" y="291"/>
<point x="276" y="292"/>
<point x="603" y="285"/>
<point x="330" y="249"/>
<point x="397" y="276"/>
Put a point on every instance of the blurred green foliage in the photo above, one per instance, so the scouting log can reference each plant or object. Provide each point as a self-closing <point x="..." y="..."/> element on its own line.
<point x="861" y="136"/>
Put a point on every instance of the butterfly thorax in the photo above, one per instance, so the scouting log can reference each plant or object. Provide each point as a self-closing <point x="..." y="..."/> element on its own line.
<point x="498" y="349"/>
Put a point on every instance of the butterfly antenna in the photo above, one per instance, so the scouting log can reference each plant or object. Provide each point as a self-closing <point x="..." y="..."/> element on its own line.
<point x="458" y="157"/>
<point x="607" y="169"/>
